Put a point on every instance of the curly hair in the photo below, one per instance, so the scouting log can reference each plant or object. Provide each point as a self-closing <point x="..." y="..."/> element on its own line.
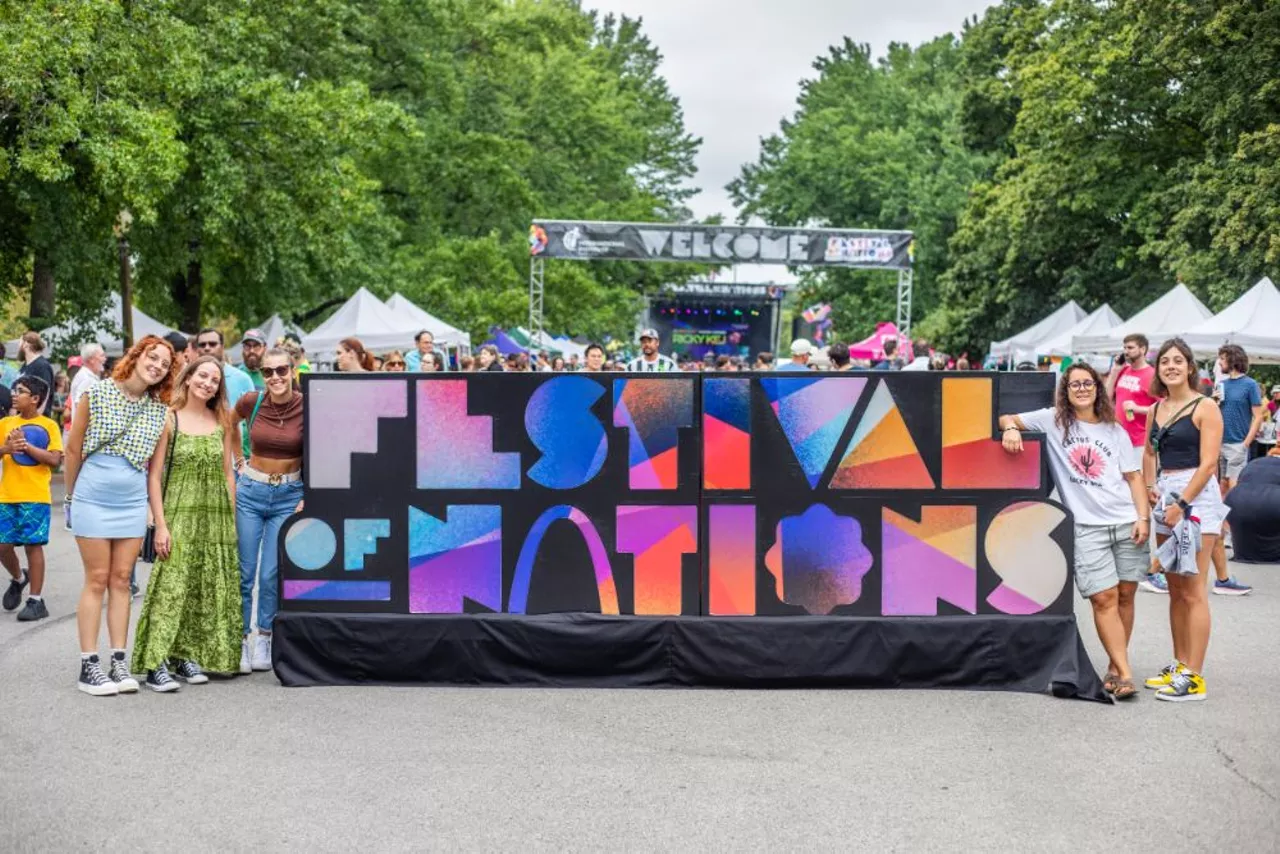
<point x="161" y="391"/>
<point x="1065" y="414"/>
<point x="217" y="403"/>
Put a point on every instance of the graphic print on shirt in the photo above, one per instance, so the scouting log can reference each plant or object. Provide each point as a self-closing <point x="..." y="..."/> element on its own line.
<point x="1089" y="458"/>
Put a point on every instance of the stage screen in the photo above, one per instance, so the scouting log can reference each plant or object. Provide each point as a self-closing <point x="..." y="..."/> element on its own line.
<point x="727" y="330"/>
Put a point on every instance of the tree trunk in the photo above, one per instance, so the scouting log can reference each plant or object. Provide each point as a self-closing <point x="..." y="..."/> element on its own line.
<point x="43" y="291"/>
<point x="187" y="291"/>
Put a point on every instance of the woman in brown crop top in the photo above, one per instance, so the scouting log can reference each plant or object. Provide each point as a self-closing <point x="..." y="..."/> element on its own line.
<point x="268" y="491"/>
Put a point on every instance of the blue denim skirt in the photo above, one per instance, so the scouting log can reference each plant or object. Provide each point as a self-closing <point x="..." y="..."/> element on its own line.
<point x="110" y="500"/>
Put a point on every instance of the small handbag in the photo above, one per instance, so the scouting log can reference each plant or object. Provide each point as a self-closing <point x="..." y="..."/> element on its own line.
<point x="148" y="554"/>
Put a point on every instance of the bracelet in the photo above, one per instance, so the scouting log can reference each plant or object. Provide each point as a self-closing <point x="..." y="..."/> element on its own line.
<point x="1011" y="427"/>
<point x="1144" y="518"/>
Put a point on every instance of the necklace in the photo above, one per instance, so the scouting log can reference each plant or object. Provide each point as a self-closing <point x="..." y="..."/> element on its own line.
<point x="275" y="413"/>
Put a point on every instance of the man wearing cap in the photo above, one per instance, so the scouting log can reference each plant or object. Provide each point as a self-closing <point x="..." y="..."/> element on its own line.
<point x="181" y="348"/>
<point x="801" y="350"/>
<point x="252" y="346"/>
<point x="650" y="359"/>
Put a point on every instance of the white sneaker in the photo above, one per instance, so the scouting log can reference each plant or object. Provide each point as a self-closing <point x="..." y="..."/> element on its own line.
<point x="262" y="653"/>
<point x="245" y="667"/>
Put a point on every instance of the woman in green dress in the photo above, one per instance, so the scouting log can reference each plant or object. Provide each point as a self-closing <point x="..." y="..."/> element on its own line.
<point x="191" y="614"/>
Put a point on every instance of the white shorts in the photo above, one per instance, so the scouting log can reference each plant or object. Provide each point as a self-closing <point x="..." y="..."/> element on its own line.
<point x="1207" y="507"/>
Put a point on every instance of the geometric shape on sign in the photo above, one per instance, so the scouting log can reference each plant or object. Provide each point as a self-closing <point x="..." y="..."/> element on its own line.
<point x="653" y="411"/>
<point x="818" y="560"/>
<point x="658" y="537"/>
<point x="463" y="457"/>
<point x="310" y="543"/>
<point x="731" y="561"/>
<point x="881" y="453"/>
<point x="455" y="559"/>
<point x="337" y="591"/>
<point x="971" y="457"/>
<point x="923" y="562"/>
<point x="813" y="413"/>
<point x="559" y="422"/>
<point x="343" y="418"/>
<point x="518" y="601"/>
<point x="726" y="434"/>
<point x="1030" y="563"/>
<point x="359" y="538"/>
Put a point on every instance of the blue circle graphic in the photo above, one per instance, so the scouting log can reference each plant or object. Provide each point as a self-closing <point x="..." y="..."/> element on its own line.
<point x="310" y="544"/>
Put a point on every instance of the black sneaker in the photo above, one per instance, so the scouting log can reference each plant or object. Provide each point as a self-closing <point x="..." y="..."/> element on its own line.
<point x="93" y="681"/>
<point x="190" y="672"/>
<point x="34" y="610"/>
<point x="120" y="675"/>
<point x="13" y="595"/>
<point x="160" y="681"/>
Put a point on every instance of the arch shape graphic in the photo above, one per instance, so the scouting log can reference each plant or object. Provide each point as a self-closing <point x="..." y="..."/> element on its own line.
<point x="519" y="598"/>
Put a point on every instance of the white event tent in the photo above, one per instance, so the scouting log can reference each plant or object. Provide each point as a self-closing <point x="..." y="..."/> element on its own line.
<point x="366" y="317"/>
<point x="1173" y="314"/>
<point x="1026" y="342"/>
<point x="445" y="335"/>
<point x="112" y="318"/>
<point x="1099" y="320"/>
<point x="1252" y="321"/>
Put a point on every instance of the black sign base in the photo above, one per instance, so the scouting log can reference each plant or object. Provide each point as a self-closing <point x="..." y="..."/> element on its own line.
<point x="1037" y="654"/>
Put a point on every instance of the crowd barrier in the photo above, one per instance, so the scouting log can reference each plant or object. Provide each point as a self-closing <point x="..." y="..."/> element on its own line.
<point x="754" y="529"/>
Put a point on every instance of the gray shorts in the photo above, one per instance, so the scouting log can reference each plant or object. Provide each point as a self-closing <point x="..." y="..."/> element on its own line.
<point x="1107" y="555"/>
<point x="1232" y="460"/>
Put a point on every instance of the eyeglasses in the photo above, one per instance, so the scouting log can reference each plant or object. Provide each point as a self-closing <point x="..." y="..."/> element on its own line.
<point x="206" y="345"/>
<point x="1081" y="385"/>
<point x="279" y="371"/>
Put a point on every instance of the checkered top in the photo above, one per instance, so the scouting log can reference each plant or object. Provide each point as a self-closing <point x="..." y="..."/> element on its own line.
<point x="121" y="427"/>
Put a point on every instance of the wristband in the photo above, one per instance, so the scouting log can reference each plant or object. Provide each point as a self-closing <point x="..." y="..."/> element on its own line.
<point x="1144" y="518"/>
<point x="1011" y="427"/>
<point x="1186" y="508"/>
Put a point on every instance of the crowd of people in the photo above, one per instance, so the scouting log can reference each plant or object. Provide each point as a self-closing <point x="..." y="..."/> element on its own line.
<point x="173" y="451"/>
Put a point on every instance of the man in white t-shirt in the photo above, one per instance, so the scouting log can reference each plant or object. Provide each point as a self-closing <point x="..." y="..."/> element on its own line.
<point x="1098" y="473"/>
<point x="92" y="360"/>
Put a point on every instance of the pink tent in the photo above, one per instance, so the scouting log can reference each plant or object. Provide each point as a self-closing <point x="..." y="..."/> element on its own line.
<point x="873" y="347"/>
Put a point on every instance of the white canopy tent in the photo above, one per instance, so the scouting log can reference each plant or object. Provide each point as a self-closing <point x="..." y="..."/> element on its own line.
<point x="112" y="318"/>
<point x="445" y="335"/>
<point x="1172" y="314"/>
<point x="1024" y="345"/>
<point x="1099" y="320"/>
<point x="273" y="330"/>
<point x="366" y="317"/>
<point x="1252" y="321"/>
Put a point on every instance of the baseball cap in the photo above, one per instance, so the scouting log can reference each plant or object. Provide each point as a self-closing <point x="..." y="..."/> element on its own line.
<point x="650" y="333"/>
<point x="177" y="341"/>
<point x="1275" y="389"/>
<point x="801" y="347"/>
<point x="254" y="334"/>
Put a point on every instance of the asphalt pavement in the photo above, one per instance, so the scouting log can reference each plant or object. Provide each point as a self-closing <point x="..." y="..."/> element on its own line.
<point x="244" y="764"/>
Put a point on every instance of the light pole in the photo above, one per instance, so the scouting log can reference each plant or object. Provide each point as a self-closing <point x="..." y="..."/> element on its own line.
<point x="121" y="230"/>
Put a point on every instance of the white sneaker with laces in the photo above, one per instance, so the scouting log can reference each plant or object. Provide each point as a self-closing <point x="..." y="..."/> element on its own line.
<point x="245" y="666"/>
<point x="262" y="653"/>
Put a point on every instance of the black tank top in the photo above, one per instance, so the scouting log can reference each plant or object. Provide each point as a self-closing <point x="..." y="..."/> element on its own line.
<point x="1177" y="444"/>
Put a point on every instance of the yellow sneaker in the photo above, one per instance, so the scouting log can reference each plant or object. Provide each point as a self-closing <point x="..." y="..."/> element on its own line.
<point x="1164" y="677"/>
<point x="1184" y="687"/>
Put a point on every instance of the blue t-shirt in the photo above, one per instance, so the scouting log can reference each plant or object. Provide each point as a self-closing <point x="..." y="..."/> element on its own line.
<point x="1239" y="396"/>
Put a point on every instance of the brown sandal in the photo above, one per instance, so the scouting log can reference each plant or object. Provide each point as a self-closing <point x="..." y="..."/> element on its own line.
<point x="1124" y="689"/>
<point x="1109" y="682"/>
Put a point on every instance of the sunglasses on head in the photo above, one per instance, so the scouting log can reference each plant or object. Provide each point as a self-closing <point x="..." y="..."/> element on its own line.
<point x="278" y="371"/>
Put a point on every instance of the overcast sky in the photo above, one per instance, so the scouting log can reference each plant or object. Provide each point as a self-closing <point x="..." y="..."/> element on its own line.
<point x="736" y="65"/>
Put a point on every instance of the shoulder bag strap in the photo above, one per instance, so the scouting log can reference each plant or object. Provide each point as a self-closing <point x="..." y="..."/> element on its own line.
<point x="168" y="458"/>
<point x="256" y="406"/>
<point x="1162" y="432"/>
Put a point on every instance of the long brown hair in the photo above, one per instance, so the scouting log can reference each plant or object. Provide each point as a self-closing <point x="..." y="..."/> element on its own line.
<point x="364" y="356"/>
<point x="1065" y="414"/>
<point x="218" y="403"/>
<point x="1158" y="388"/>
<point x="161" y="391"/>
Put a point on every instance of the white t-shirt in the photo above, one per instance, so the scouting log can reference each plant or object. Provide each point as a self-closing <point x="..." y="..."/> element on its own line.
<point x="84" y="380"/>
<point x="1089" y="465"/>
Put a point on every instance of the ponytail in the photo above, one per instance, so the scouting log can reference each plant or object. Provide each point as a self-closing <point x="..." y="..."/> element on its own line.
<point x="355" y="346"/>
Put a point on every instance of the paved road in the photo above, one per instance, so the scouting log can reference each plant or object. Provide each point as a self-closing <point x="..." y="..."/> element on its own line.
<point x="247" y="765"/>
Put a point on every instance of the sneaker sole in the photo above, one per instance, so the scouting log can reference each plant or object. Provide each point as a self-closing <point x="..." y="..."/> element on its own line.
<point x="164" y="689"/>
<point x="130" y="687"/>
<point x="261" y="668"/>
<point x="1185" y="698"/>
<point x="245" y="669"/>
<point x="98" y="690"/>
<point x="1150" y="588"/>
<point x="1227" y="591"/>
<point x="195" y="680"/>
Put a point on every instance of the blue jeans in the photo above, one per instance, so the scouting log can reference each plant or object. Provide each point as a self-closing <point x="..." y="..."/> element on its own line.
<point x="261" y="510"/>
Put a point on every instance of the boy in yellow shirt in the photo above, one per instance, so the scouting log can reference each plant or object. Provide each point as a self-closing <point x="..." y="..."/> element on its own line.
<point x="32" y="449"/>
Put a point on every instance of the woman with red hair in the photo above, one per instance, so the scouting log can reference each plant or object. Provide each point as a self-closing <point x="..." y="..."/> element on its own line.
<point x="112" y="441"/>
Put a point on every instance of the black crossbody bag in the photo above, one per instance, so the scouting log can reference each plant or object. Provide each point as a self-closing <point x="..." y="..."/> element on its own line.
<point x="148" y="554"/>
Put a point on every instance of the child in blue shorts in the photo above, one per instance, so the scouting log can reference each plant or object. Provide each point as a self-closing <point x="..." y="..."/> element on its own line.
<point x="31" y="450"/>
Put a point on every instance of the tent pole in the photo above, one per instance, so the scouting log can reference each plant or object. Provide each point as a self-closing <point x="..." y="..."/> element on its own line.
<point x="536" y="290"/>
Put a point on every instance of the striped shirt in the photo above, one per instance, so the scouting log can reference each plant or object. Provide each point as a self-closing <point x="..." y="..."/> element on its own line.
<point x="662" y="364"/>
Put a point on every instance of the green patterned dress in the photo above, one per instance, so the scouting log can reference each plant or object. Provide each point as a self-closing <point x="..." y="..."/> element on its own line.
<point x="192" y="606"/>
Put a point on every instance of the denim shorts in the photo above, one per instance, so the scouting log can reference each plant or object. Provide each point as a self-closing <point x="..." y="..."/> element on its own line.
<point x="1107" y="555"/>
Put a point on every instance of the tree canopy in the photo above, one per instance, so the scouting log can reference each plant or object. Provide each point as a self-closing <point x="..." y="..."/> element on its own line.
<point x="274" y="157"/>
<point x="1097" y="151"/>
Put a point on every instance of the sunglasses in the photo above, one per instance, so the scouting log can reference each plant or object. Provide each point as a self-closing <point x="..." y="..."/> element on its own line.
<point x="206" y="345"/>
<point x="280" y="371"/>
<point x="394" y="364"/>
